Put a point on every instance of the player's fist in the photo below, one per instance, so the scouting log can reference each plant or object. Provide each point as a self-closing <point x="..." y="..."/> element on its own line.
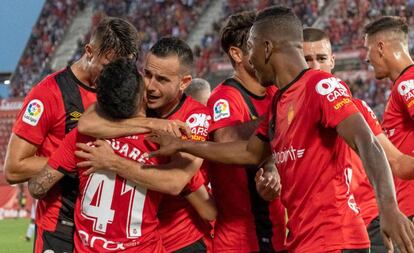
<point x="268" y="182"/>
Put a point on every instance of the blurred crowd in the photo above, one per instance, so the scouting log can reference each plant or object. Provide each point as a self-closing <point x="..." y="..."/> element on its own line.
<point x="46" y="35"/>
<point x="344" y="24"/>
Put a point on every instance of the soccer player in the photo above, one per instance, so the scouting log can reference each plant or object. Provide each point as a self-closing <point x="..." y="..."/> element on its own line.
<point x="245" y="222"/>
<point x="111" y="213"/>
<point x="386" y="41"/>
<point x="199" y="89"/>
<point x="311" y="112"/>
<point x="167" y="73"/>
<point x="318" y="54"/>
<point x="50" y="111"/>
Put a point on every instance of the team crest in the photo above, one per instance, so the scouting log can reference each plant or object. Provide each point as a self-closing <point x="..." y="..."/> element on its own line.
<point x="221" y="109"/>
<point x="34" y="111"/>
<point x="291" y="114"/>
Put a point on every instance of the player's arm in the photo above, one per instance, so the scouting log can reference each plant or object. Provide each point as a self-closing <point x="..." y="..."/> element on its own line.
<point x="251" y="152"/>
<point x="40" y="184"/>
<point x="203" y="203"/>
<point x="235" y="133"/>
<point x="357" y="134"/>
<point x="168" y="178"/>
<point x="402" y="165"/>
<point x="21" y="162"/>
<point x="93" y="124"/>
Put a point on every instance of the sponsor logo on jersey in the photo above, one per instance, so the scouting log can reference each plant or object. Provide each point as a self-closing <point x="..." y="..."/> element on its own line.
<point x="341" y="103"/>
<point x="221" y="109"/>
<point x="332" y="88"/>
<point x="34" y="111"/>
<point x="199" y="124"/>
<point x="289" y="154"/>
<point x="406" y="89"/>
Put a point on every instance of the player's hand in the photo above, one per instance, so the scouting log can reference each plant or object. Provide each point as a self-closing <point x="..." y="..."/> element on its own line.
<point x="169" y="145"/>
<point x="99" y="157"/>
<point x="173" y="127"/>
<point x="397" y="229"/>
<point x="268" y="184"/>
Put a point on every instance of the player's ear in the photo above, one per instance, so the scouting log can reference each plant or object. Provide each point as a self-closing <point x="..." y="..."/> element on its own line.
<point x="332" y="61"/>
<point x="380" y="48"/>
<point x="185" y="82"/>
<point x="236" y="54"/>
<point x="88" y="51"/>
<point x="268" y="47"/>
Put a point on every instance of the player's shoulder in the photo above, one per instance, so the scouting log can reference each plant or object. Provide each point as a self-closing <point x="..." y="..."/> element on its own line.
<point x="190" y="104"/>
<point x="47" y="86"/>
<point x="404" y="85"/>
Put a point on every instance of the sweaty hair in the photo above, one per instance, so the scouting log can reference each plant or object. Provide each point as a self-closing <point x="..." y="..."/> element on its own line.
<point x="387" y="23"/>
<point x="172" y="46"/>
<point x="196" y="85"/>
<point x="311" y="34"/>
<point x="119" y="35"/>
<point x="280" y="22"/>
<point x="236" y="31"/>
<point x="119" y="89"/>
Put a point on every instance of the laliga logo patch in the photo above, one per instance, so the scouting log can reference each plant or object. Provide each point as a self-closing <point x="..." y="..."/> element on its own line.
<point x="33" y="112"/>
<point x="331" y="88"/>
<point x="221" y="109"/>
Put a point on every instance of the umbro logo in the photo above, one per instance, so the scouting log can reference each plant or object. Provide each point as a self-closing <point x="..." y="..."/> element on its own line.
<point x="75" y="115"/>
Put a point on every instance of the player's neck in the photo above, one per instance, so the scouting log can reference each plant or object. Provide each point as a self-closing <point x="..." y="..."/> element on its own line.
<point x="165" y="111"/>
<point x="249" y="82"/>
<point x="288" y="69"/>
<point x="398" y="66"/>
<point x="80" y="73"/>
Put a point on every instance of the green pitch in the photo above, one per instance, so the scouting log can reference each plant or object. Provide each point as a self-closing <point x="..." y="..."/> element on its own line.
<point x="12" y="236"/>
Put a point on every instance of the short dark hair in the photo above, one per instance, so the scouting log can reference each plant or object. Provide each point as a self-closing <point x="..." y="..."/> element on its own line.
<point x="236" y="31"/>
<point x="117" y="34"/>
<point x="312" y="34"/>
<point x="168" y="46"/>
<point x="119" y="89"/>
<point x="282" y="20"/>
<point x="387" y="23"/>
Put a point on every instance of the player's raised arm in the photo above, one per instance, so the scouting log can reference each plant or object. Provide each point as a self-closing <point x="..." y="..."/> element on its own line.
<point x="93" y="124"/>
<point x="394" y="224"/>
<point x="252" y="152"/>
<point x="40" y="184"/>
<point x="168" y="178"/>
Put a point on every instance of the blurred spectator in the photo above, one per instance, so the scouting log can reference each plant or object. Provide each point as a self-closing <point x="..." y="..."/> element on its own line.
<point x="199" y="89"/>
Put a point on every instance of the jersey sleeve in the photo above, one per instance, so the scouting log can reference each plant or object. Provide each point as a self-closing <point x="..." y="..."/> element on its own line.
<point x="404" y="94"/>
<point x="37" y="115"/>
<point x="64" y="159"/>
<point x="262" y="131"/>
<point x="334" y="100"/>
<point x="369" y="116"/>
<point x="226" y="108"/>
<point x="196" y="182"/>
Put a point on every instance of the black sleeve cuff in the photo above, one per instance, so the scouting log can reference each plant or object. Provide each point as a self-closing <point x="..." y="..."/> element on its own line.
<point x="262" y="137"/>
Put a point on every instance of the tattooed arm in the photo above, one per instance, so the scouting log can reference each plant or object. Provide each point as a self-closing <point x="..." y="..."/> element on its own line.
<point x="41" y="183"/>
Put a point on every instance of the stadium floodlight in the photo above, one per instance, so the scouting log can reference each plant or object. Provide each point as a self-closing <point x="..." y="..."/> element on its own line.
<point x="6" y="82"/>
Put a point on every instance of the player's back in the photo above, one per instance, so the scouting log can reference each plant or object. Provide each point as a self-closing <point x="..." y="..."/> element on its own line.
<point x="112" y="213"/>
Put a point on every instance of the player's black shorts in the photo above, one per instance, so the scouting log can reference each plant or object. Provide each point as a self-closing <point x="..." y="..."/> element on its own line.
<point x="58" y="241"/>
<point x="355" y="251"/>
<point x="197" y="247"/>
